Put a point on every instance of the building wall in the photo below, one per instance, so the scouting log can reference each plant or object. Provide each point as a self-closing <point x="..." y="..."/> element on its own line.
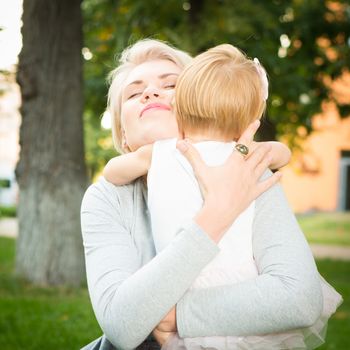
<point x="9" y="120"/>
<point x="312" y="179"/>
<point x="9" y="138"/>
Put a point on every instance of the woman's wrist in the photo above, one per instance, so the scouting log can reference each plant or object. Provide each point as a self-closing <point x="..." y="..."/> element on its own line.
<point x="212" y="220"/>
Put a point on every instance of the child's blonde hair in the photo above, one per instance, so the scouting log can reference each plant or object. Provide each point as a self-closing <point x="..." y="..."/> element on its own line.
<point x="138" y="53"/>
<point x="220" y="90"/>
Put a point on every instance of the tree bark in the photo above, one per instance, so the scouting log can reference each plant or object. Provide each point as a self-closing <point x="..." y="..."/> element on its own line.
<point x="51" y="171"/>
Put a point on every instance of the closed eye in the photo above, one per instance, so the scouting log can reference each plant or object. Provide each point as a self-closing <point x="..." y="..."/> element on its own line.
<point x="134" y="95"/>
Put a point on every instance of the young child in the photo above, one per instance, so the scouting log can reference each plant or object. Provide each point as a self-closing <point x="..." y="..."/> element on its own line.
<point x="217" y="96"/>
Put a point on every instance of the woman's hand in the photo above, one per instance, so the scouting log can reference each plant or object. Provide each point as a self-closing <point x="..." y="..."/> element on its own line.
<point x="229" y="189"/>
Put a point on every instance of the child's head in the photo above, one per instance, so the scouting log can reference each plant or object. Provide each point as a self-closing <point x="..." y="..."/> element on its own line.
<point x="221" y="90"/>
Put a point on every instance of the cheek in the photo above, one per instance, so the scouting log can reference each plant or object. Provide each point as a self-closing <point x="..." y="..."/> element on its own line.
<point x="127" y="113"/>
<point x="128" y="118"/>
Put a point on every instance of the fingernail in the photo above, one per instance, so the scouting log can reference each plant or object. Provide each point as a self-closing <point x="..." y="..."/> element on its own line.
<point x="182" y="146"/>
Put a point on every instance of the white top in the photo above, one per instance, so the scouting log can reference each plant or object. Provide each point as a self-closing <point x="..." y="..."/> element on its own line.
<point x="174" y="197"/>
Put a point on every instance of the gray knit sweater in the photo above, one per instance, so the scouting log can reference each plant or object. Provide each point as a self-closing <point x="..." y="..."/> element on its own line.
<point x="131" y="289"/>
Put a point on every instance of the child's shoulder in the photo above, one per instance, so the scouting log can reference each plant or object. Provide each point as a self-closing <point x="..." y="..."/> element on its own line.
<point x="165" y="144"/>
<point x="171" y="141"/>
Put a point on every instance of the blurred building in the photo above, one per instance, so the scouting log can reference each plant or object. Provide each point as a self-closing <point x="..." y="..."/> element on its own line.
<point x="9" y="130"/>
<point x="318" y="177"/>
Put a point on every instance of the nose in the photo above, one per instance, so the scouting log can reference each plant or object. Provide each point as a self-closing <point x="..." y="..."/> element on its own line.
<point x="150" y="92"/>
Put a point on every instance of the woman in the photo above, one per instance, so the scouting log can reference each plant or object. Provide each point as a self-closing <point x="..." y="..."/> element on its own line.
<point x="132" y="290"/>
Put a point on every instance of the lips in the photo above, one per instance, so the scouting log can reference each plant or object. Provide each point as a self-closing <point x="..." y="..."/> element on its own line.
<point x="155" y="106"/>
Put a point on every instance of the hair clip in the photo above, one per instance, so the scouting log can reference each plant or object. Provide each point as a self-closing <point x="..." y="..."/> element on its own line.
<point x="265" y="83"/>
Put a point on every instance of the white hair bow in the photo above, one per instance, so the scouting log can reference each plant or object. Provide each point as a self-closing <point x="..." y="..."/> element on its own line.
<point x="265" y="83"/>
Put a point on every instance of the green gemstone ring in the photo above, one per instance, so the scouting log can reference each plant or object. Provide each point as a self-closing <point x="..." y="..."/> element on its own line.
<point x="243" y="149"/>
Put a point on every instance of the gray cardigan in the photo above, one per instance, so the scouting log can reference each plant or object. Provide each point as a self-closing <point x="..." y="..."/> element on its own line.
<point x="131" y="289"/>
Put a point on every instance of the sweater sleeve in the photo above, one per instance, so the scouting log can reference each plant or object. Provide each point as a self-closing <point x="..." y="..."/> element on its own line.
<point x="286" y="294"/>
<point x="129" y="299"/>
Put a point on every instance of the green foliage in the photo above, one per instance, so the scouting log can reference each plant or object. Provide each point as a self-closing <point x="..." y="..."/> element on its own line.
<point x="8" y="212"/>
<point x="299" y="42"/>
<point x="35" y="318"/>
<point x="98" y="145"/>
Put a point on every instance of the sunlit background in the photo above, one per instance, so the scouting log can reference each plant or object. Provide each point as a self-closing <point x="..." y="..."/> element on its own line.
<point x="10" y="34"/>
<point x="316" y="182"/>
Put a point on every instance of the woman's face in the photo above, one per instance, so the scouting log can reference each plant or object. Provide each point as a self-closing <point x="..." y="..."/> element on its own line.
<point x="147" y="113"/>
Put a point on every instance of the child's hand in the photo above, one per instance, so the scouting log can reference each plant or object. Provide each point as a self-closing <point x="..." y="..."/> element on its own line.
<point x="280" y="153"/>
<point x="161" y="336"/>
<point x="128" y="167"/>
<point x="144" y="152"/>
<point x="166" y="327"/>
<point x="168" y="323"/>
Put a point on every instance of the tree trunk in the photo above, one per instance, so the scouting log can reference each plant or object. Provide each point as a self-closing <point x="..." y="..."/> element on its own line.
<point x="51" y="171"/>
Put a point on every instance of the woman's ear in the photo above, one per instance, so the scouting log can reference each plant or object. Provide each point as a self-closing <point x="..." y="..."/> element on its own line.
<point x="125" y="142"/>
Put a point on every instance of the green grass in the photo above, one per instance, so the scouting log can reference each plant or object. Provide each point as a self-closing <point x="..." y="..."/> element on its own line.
<point x="41" y="318"/>
<point x="326" y="228"/>
<point x="33" y="318"/>
<point x="337" y="273"/>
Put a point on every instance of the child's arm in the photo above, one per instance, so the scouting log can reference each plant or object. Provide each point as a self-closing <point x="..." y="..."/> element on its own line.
<point x="126" y="168"/>
<point x="281" y="154"/>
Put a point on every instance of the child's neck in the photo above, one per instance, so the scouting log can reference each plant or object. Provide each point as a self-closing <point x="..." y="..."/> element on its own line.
<point x="207" y="135"/>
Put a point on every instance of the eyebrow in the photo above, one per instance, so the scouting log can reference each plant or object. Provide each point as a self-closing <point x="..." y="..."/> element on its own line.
<point x="162" y="76"/>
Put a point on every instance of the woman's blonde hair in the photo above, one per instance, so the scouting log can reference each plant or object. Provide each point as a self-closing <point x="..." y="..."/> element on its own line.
<point x="138" y="53"/>
<point x="220" y="90"/>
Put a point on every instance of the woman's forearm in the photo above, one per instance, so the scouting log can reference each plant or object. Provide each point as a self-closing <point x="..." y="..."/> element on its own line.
<point x="130" y="296"/>
<point x="285" y="295"/>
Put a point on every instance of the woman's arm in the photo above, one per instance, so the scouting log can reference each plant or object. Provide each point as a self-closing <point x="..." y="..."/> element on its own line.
<point x="130" y="289"/>
<point x="128" y="167"/>
<point x="286" y="294"/>
<point x="130" y="296"/>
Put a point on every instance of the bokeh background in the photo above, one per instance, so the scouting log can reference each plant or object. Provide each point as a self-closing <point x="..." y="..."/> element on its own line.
<point x="54" y="131"/>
